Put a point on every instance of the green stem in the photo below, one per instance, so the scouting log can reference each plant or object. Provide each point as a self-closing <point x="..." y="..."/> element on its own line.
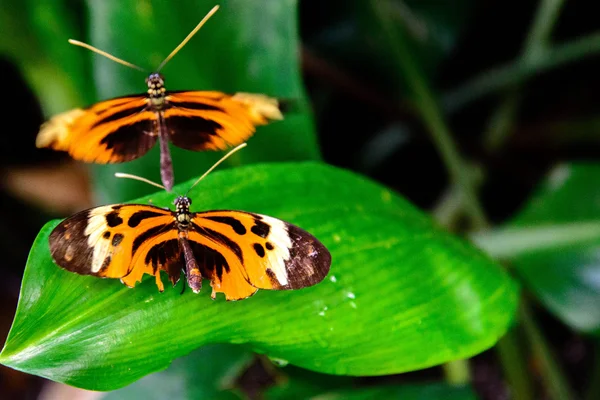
<point x="519" y="71"/>
<point x="457" y="372"/>
<point x="502" y="120"/>
<point x="514" y="366"/>
<point x="431" y="115"/>
<point x="539" y="33"/>
<point x="552" y="375"/>
<point x="508" y="243"/>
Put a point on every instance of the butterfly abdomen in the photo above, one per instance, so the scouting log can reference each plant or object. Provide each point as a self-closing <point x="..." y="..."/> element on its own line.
<point x="192" y="272"/>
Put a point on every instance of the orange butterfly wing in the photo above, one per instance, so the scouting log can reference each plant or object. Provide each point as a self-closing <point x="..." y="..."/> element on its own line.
<point x="119" y="241"/>
<point x="205" y="120"/>
<point x="111" y="131"/>
<point x="258" y="252"/>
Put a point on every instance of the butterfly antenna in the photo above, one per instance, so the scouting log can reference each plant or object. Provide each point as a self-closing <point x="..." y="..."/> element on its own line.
<point x="225" y="157"/>
<point x="105" y="54"/>
<point x="188" y="37"/>
<point x="138" y="178"/>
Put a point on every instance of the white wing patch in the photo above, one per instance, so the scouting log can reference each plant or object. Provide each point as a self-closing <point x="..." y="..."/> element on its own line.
<point x="55" y="132"/>
<point x="279" y="237"/>
<point x="95" y="229"/>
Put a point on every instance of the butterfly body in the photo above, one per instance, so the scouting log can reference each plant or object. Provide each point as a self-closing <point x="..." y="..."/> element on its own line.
<point x="239" y="252"/>
<point x="125" y="128"/>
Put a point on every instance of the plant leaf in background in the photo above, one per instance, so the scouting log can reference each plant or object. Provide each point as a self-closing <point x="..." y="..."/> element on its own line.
<point x="414" y="295"/>
<point x="356" y="39"/>
<point x="555" y="242"/>
<point x="297" y="383"/>
<point x="356" y="44"/>
<point x="248" y="46"/>
<point x="34" y="35"/>
<point x="293" y="382"/>
<point x="207" y="373"/>
<point x="404" y="392"/>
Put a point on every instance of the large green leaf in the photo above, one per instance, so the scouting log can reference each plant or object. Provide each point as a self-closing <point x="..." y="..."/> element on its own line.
<point x="247" y="46"/>
<point x="401" y="294"/>
<point x="554" y="243"/>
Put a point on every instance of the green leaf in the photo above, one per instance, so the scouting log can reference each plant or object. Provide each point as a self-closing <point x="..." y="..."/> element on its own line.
<point x="35" y="37"/>
<point x="189" y="378"/>
<point x="557" y="238"/>
<point x="401" y="294"/>
<point x="298" y="383"/>
<point x="247" y="46"/>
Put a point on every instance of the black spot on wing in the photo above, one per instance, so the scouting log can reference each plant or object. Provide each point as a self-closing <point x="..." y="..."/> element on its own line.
<point x="237" y="226"/>
<point x="149" y="234"/>
<point x="139" y="216"/>
<point x="269" y="246"/>
<point x="260" y="251"/>
<point x="220" y="239"/>
<point x="106" y="235"/>
<point x="260" y="228"/>
<point x="117" y="239"/>
<point x="113" y="219"/>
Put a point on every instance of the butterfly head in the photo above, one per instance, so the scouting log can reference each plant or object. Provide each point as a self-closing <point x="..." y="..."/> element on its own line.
<point x="182" y="204"/>
<point x="156" y="87"/>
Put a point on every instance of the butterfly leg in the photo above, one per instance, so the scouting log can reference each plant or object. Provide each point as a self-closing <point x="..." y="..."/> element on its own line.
<point x="192" y="272"/>
<point x="166" y="163"/>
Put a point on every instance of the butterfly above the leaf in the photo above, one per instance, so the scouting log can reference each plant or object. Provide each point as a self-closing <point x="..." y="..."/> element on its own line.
<point x="239" y="252"/>
<point x="125" y="128"/>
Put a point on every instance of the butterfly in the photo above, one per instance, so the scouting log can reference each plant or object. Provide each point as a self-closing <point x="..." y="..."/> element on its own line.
<point x="239" y="252"/>
<point x="125" y="128"/>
